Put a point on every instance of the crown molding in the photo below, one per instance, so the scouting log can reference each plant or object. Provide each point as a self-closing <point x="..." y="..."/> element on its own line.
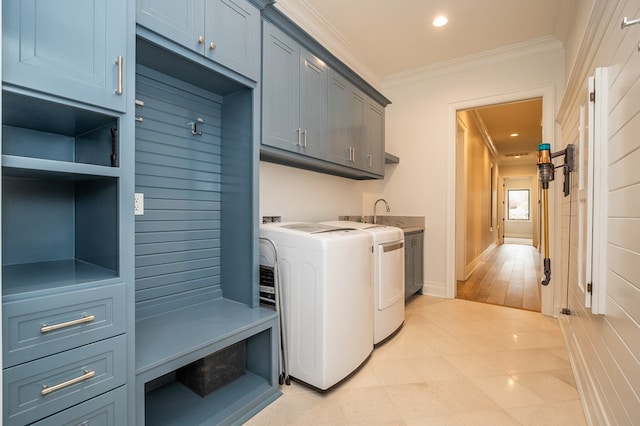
<point x="305" y="16"/>
<point x="489" y="57"/>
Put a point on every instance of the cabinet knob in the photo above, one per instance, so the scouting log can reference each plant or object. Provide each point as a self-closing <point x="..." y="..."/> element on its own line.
<point x="201" y="39"/>
<point x="212" y="46"/>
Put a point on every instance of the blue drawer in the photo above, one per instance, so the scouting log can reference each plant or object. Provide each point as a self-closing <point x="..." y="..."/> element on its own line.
<point x="83" y="317"/>
<point x="40" y="388"/>
<point x="109" y="409"/>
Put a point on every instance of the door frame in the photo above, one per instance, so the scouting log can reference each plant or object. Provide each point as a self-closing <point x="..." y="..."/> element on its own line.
<point x="550" y="295"/>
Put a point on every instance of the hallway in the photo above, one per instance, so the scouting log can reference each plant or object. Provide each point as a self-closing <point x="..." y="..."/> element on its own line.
<point x="453" y="362"/>
<point x="510" y="276"/>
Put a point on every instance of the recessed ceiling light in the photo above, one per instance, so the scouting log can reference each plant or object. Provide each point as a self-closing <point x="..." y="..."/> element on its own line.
<point x="513" y="135"/>
<point x="440" y="21"/>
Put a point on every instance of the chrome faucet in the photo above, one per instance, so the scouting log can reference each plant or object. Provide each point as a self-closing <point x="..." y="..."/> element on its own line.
<point x="375" y="216"/>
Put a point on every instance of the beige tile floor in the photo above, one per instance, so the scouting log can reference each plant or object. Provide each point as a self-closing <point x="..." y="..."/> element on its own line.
<point x="454" y="362"/>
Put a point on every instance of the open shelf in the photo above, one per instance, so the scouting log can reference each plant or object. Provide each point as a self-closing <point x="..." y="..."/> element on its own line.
<point x="57" y="230"/>
<point x="38" y="128"/>
<point x="28" y="277"/>
<point x="175" y="404"/>
<point x="166" y="342"/>
<point x="176" y="338"/>
<point x="42" y="168"/>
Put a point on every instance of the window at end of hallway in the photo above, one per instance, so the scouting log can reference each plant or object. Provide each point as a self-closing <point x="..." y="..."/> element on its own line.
<point x="518" y="202"/>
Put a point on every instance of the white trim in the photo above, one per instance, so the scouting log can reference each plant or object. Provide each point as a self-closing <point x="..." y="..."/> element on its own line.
<point x="308" y="18"/>
<point x="433" y="288"/>
<point x="509" y="53"/>
<point x="473" y="265"/>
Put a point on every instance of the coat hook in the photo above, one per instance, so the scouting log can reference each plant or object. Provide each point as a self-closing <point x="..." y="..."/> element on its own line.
<point x="627" y="23"/>
<point x="194" y="126"/>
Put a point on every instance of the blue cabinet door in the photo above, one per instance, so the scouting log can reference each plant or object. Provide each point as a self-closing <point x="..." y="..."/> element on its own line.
<point x="295" y="85"/>
<point x="313" y="105"/>
<point x="357" y="128"/>
<point x="68" y="48"/>
<point x="375" y="138"/>
<point x="179" y="21"/>
<point x="226" y="31"/>
<point x="232" y="36"/>
<point x="281" y="90"/>
<point x="338" y="148"/>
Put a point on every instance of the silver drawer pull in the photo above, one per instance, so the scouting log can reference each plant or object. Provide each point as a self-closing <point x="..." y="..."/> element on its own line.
<point x="46" y="390"/>
<point x="47" y="328"/>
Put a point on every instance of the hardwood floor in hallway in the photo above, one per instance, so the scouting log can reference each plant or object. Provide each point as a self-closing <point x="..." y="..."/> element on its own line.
<point x="510" y="276"/>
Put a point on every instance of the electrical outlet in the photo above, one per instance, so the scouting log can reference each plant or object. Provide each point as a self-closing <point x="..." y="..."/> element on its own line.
<point x="268" y="219"/>
<point x="138" y="204"/>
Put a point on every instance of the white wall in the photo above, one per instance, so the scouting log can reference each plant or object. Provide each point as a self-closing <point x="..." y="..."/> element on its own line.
<point x="300" y="195"/>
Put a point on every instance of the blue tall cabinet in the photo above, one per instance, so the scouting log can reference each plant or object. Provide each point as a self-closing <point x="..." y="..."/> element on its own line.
<point x="100" y="308"/>
<point x="67" y="188"/>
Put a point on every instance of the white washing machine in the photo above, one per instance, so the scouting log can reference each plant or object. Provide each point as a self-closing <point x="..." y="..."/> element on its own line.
<point x="326" y="285"/>
<point x="388" y="276"/>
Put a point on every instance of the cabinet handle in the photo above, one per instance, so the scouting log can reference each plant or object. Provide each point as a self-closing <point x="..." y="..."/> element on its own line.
<point x="299" y="133"/>
<point x="212" y="46"/>
<point x="370" y="157"/>
<point x="86" y="318"/>
<point x="201" y="39"/>
<point x="46" y="390"/>
<point x="304" y="138"/>
<point x="119" y="64"/>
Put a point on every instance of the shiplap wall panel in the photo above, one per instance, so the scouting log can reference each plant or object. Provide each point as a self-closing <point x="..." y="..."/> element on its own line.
<point x="178" y="245"/>
<point x="625" y="140"/>
<point x="605" y="349"/>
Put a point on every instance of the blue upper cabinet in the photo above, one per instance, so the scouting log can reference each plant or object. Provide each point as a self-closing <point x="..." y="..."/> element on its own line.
<point x="226" y="31"/>
<point x="75" y="49"/>
<point x="295" y="85"/>
<point x="356" y="127"/>
<point x="317" y="114"/>
<point x="375" y="137"/>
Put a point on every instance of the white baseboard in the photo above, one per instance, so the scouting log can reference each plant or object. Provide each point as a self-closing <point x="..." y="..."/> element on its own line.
<point x="432" y="288"/>
<point x="473" y="265"/>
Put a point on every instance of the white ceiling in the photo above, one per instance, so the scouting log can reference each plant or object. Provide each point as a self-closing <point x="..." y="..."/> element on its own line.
<point x="396" y="36"/>
<point x="502" y="121"/>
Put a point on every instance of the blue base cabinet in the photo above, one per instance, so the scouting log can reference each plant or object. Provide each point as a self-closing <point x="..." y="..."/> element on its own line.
<point x="413" y="263"/>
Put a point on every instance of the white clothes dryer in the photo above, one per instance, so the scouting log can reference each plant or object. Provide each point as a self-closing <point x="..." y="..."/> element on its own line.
<point x="326" y="284"/>
<point x="388" y="276"/>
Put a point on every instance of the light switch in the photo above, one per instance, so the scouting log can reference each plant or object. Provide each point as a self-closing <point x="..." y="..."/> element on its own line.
<point x="138" y="204"/>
